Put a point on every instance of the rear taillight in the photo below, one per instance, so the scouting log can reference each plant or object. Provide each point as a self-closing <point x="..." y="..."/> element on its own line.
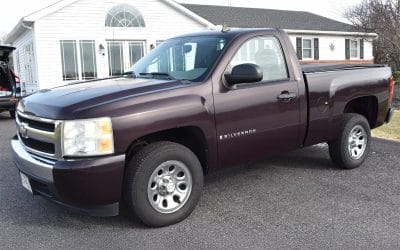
<point x="391" y="89"/>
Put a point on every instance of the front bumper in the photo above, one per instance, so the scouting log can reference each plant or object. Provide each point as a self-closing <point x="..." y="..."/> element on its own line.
<point x="91" y="186"/>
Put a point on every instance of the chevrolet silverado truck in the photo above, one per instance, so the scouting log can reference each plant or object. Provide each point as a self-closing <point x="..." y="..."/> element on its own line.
<point x="195" y="104"/>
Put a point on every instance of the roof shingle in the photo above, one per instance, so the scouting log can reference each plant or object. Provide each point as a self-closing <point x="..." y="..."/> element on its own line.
<point x="240" y="17"/>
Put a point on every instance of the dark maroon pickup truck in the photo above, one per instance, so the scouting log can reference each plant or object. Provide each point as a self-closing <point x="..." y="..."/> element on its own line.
<point x="195" y="104"/>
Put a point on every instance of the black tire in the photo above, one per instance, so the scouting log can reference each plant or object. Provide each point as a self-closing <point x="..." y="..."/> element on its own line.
<point x="12" y="114"/>
<point x="338" y="149"/>
<point x="138" y="172"/>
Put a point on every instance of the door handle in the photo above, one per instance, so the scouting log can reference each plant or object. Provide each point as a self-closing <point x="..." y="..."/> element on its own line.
<point x="286" y="96"/>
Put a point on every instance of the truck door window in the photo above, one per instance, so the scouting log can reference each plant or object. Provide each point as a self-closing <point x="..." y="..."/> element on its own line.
<point x="267" y="53"/>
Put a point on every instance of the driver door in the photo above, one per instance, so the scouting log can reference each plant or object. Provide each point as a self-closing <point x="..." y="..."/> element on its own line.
<point x="251" y="119"/>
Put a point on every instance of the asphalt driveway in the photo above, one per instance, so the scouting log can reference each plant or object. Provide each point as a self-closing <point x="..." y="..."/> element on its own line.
<point x="298" y="200"/>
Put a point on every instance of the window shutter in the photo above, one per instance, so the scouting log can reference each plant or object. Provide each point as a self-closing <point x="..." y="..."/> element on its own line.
<point x="299" y="48"/>
<point x="362" y="49"/>
<point x="347" y="46"/>
<point x="316" y="49"/>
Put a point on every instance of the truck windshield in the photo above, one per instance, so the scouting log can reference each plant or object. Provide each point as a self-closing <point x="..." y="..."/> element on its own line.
<point x="187" y="58"/>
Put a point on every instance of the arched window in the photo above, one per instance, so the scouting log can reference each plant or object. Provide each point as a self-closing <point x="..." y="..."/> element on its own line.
<point x="124" y="15"/>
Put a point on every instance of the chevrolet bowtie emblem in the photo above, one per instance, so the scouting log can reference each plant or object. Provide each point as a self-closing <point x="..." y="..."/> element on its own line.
<point x="23" y="130"/>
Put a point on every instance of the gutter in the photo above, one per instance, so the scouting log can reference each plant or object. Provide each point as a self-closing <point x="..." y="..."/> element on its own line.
<point x="19" y="29"/>
<point x="343" y="33"/>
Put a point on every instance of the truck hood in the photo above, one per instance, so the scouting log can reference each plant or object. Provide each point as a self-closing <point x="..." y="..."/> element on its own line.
<point x="64" y="102"/>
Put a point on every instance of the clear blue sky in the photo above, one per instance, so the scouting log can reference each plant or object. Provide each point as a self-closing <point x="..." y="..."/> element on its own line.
<point x="329" y="8"/>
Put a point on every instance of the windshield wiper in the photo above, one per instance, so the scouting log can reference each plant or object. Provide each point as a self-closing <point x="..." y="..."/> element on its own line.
<point x="158" y="75"/>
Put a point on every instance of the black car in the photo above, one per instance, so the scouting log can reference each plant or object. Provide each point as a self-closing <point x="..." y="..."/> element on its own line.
<point x="9" y="83"/>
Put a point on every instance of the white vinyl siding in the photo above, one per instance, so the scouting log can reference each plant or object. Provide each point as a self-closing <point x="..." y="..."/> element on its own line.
<point x="26" y="61"/>
<point x="332" y="48"/>
<point x="85" y="20"/>
<point x="17" y="62"/>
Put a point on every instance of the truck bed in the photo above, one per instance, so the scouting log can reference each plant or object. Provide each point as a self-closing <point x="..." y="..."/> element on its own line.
<point x="330" y="85"/>
<point x="315" y="68"/>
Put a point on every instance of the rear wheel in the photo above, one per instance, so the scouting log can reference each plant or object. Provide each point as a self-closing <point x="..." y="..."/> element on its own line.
<point x="351" y="147"/>
<point x="163" y="183"/>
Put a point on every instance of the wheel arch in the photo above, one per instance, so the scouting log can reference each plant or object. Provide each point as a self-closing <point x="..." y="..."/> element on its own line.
<point x="192" y="137"/>
<point x="366" y="106"/>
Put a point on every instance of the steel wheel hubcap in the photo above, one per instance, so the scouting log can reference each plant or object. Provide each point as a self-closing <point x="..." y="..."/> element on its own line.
<point x="357" y="142"/>
<point x="169" y="186"/>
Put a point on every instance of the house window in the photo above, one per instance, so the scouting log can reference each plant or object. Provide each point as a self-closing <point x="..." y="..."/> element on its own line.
<point x="136" y="51"/>
<point x="82" y="69"/>
<point x="307" y="48"/>
<point x="354" y="48"/>
<point x="88" y="59"/>
<point x="69" y="60"/>
<point x="115" y="58"/>
<point x="124" y="15"/>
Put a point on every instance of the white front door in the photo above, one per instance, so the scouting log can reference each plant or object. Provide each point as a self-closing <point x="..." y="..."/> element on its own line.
<point x="122" y="55"/>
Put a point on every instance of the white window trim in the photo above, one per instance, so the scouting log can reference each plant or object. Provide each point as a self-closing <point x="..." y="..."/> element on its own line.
<point x="63" y="63"/>
<point x="124" y="8"/>
<point x="125" y="51"/>
<point x="78" y="59"/>
<point x="357" y="48"/>
<point x="312" y="48"/>
<point x="82" y="64"/>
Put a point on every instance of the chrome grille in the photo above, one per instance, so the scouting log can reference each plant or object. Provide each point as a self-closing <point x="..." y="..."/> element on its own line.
<point x="39" y="136"/>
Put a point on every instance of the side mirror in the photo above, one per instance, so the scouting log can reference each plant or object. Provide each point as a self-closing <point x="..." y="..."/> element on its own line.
<point x="18" y="90"/>
<point x="244" y="73"/>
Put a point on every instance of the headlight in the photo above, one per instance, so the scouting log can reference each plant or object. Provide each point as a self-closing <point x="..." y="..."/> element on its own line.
<point x="88" y="137"/>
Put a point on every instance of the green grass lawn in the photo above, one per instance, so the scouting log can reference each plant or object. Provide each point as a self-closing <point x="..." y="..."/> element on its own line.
<point x="390" y="131"/>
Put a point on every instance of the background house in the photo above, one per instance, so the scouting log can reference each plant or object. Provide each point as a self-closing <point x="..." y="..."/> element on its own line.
<point x="316" y="39"/>
<point x="86" y="39"/>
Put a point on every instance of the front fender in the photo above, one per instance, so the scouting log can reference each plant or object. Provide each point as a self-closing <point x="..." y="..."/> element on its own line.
<point x="163" y="114"/>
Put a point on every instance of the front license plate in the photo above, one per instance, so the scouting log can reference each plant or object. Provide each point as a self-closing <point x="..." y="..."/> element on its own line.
<point x="25" y="182"/>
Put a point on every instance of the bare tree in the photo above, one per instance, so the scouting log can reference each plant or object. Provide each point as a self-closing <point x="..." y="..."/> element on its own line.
<point x="383" y="18"/>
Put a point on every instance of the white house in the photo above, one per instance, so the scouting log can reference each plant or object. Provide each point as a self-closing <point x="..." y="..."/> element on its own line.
<point x="317" y="39"/>
<point x="86" y="39"/>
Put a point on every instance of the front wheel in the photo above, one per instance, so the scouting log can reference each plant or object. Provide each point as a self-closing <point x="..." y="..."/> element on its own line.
<point x="351" y="147"/>
<point x="163" y="183"/>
